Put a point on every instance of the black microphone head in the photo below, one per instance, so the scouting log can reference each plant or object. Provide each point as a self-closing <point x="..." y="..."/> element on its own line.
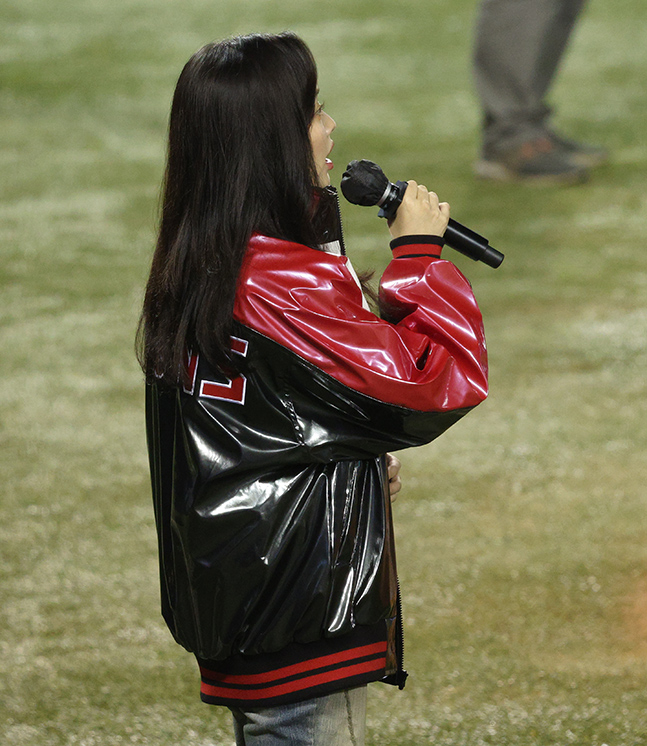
<point x="364" y="183"/>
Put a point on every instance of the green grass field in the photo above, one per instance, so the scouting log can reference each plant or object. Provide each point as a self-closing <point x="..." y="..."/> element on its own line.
<point x="522" y="533"/>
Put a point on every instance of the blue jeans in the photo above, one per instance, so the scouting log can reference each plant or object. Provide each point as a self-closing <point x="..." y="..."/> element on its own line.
<point x="333" y="720"/>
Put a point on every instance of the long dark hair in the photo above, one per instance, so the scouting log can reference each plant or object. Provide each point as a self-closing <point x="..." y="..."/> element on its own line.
<point x="239" y="162"/>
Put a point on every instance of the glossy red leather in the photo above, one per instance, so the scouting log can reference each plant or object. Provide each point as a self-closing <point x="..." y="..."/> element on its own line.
<point x="433" y="359"/>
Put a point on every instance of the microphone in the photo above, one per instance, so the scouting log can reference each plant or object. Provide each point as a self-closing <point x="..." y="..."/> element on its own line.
<point x="364" y="183"/>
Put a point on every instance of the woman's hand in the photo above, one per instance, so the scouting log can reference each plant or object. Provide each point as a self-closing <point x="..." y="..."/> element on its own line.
<point x="420" y="213"/>
<point x="393" y="469"/>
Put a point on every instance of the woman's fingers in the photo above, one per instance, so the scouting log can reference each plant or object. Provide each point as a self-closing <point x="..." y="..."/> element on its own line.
<point x="420" y="213"/>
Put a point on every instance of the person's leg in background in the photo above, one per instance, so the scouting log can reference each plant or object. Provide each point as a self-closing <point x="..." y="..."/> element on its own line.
<point x="558" y="26"/>
<point x="518" y="48"/>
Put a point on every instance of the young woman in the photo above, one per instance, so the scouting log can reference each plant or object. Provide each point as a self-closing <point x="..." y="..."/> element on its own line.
<point x="274" y="394"/>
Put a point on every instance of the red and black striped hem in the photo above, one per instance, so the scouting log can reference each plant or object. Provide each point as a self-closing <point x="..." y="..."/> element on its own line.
<point x="300" y="671"/>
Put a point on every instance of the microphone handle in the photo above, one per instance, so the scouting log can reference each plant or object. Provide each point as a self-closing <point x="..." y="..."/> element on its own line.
<point x="471" y="244"/>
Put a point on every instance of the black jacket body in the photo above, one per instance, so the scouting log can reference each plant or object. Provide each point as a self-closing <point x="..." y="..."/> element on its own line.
<point x="270" y="490"/>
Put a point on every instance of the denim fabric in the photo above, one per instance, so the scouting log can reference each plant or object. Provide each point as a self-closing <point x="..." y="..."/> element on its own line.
<point x="333" y="720"/>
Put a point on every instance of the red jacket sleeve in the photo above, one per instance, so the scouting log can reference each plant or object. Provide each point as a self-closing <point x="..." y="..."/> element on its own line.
<point x="432" y="359"/>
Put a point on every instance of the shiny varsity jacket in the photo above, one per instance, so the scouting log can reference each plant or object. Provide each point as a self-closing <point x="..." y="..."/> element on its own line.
<point x="270" y="489"/>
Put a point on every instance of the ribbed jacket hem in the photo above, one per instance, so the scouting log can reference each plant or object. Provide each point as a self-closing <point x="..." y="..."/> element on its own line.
<point x="298" y="672"/>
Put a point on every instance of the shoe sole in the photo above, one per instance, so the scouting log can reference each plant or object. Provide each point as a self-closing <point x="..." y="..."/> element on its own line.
<point x="587" y="161"/>
<point x="494" y="171"/>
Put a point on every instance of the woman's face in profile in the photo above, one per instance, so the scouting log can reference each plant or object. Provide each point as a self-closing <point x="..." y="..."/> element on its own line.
<point x="321" y="129"/>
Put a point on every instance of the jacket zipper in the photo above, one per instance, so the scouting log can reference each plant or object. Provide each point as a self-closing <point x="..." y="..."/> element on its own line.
<point x="401" y="675"/>
<point x="340" y="225"/>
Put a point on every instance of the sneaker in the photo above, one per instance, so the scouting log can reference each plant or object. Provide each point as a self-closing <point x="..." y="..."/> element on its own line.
<point x="580" y="153"/>
<point x="536" y="161"/>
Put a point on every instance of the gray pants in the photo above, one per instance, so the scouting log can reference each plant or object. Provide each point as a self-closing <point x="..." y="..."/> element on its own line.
<point x="519" y="44"/>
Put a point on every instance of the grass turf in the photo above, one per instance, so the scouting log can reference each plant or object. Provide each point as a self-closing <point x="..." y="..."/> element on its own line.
<point x="521" y="532"/>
